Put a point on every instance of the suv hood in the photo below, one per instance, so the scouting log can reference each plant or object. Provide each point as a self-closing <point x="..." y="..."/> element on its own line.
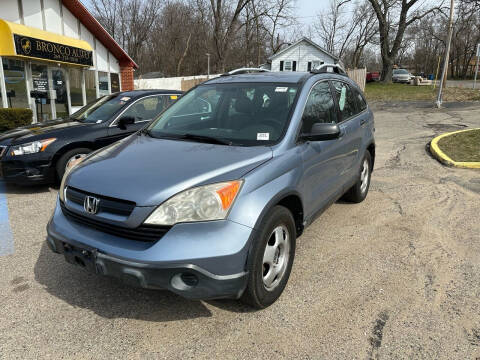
<point x="148" y="171"/>
<point x="36" y="131"/>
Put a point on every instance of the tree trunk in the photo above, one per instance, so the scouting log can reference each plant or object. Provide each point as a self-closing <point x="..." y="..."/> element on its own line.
<point x="184" y="55"/>
<point x="387" y="69"/>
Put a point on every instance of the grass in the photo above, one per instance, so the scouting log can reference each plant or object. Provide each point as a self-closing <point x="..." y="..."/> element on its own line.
<point x="463" y="146"/>
<point x="404" y="92"/>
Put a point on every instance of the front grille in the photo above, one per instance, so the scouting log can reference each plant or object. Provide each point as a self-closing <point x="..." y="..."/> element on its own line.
<point x="141" y="233"/>
<point x="3" y="149"/>
<point x="106" y="204"/>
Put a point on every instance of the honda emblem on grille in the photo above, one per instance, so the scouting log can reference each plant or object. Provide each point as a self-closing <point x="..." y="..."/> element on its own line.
<point x="90" y="204"/>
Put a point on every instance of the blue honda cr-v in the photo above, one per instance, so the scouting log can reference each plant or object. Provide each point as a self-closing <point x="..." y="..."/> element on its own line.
<point x="208" y="200"/>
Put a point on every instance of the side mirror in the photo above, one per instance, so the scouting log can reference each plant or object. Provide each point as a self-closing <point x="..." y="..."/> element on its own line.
<point x="322" y="131"/>
<point x="124" y="121"/>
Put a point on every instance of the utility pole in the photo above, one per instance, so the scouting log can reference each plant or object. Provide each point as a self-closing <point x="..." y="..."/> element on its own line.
<point x="208" y="65"/>
<point x="447" y="53"/>
<point x="476" y="66"/>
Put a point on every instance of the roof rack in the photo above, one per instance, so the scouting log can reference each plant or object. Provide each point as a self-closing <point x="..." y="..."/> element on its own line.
<point x="329" y="68"/>
<point x="245" y="71"/>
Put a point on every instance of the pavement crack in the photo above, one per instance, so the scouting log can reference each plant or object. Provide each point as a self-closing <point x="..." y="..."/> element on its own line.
<point x="394" y="161"/>
<point x="474" y="337"/>
<point x="377" y="335"/>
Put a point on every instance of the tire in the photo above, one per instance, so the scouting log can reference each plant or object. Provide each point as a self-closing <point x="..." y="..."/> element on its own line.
<point x="266" y="282"/>
<point x="358" y="192"/>
<point x="65" y="158"/>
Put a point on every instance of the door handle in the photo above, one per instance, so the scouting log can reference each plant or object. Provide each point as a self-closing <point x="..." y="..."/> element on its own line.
<point x="363" y="121"/>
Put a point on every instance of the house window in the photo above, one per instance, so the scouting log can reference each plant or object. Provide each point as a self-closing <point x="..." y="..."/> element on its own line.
<point x="288" y="65"/>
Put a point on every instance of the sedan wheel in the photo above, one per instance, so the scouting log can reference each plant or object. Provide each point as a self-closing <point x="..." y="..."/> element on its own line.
<point x="73" y="159"/>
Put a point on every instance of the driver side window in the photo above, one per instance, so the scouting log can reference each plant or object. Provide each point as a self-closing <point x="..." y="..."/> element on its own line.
<point x="145" y="109"/>
<point x="320" y="107"/>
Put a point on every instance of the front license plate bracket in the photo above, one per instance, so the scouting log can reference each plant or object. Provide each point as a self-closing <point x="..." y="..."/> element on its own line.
<point x="82" y="257"/>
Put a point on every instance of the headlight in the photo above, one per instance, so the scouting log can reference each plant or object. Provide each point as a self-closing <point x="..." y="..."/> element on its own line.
<point x="31" y="147"/>
<point x="203" y="203"/>
<point x="70" y="167"/>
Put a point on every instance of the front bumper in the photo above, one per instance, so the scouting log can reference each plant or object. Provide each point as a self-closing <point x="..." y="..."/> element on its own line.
<point x="401" y="80"/>
<point x="25" y="172"/>
<point x="197" y="260"/>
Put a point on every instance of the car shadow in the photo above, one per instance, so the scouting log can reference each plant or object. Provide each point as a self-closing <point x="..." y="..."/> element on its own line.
<point x="109" y="297"/>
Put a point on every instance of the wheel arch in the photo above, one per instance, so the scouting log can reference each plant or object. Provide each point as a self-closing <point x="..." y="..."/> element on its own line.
<point x="371" y="150"/>
<point x="68" y="147"/>
<point x="293" y="202"/>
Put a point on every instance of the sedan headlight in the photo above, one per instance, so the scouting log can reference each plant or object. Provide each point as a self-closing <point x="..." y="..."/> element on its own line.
<point x="71" y="165"/>
<point x="203" y="203"/>
<point x="31" y="147"/>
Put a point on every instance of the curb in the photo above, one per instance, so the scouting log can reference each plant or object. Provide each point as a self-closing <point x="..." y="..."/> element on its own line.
<point x="445" y="159"/>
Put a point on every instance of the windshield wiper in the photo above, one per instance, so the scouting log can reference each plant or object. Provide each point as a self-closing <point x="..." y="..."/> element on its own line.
<point x="187" y="136"/>
<point x="205" y="139"/>
<point x="146" y="132"/>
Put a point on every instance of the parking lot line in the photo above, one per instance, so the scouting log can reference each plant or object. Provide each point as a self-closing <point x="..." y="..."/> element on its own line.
<point x="6" y="236"/>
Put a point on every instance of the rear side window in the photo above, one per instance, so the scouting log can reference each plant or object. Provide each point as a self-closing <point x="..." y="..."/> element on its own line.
<point x="320" y="107"/>
<point x="345" y="100"/>
<point x="361" y="103"/>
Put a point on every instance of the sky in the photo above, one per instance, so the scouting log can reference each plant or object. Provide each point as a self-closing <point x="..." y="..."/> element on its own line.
<point x="306" y="9"/>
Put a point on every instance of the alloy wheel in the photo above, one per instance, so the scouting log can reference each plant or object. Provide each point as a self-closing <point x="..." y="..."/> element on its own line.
<point x="276" y="257"/>
<point x="364" y="176"/>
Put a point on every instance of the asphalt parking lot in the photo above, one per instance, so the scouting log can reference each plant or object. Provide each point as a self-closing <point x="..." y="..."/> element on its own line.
<point x="396" y="277"/>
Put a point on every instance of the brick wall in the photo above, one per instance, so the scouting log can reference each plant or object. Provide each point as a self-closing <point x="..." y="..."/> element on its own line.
<point x="127" y="78"/>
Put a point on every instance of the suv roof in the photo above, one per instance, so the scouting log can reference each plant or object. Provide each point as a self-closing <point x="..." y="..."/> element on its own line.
<point x="283" y="77"/>
<point x="293" y="77"/>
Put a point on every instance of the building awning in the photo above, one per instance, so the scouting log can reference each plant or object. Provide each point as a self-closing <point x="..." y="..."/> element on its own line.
<point x="27" y="42"/>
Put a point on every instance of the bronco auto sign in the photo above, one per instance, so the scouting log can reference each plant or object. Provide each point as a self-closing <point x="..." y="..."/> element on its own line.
<point x="43" y="49"/>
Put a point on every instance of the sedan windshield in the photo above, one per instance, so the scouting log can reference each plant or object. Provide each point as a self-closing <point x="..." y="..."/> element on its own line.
<point x="101" y="109"/>
<point x="400" y="72"/>
<point x="235" y="114"/>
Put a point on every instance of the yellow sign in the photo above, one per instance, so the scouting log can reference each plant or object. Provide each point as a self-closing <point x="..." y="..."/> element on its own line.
<point x="23" y="41"/>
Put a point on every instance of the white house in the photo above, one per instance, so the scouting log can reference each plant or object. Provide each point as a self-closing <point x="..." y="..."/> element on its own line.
<point x="302" y="55"/>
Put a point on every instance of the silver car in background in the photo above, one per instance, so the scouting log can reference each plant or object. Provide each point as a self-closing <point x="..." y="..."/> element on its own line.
<point x="401" y="76"/>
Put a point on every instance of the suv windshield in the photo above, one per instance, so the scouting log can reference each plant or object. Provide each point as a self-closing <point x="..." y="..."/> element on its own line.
<point x="400" y="72"/>
<point x="238" y="114"/>
<point x="101" y="109"/>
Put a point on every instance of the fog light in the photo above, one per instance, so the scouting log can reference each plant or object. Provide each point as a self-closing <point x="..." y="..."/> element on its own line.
<point x="184" y="281"/>
<point x="189" y="279"/>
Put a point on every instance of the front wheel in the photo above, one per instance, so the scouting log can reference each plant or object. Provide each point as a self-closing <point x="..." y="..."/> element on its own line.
<point x="69" y="157"/>
<point x="271" y="259"/>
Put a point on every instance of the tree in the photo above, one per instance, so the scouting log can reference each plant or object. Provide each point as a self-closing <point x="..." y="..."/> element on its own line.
<point x="128" y="21"/>
<point x="225" y="16"/>
<point x="392" y="33"/>
<point x="333" y="29"/>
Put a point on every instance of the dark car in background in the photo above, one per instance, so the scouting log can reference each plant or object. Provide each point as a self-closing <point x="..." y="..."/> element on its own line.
<point x="39" y="153"/>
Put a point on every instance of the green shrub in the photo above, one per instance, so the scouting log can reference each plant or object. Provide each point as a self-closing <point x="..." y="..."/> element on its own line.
<point x="12" y="118"/>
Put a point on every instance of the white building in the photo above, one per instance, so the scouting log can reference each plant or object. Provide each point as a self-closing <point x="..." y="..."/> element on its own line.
<point x="302" y="55"/>
<point x="55" y="57"/>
